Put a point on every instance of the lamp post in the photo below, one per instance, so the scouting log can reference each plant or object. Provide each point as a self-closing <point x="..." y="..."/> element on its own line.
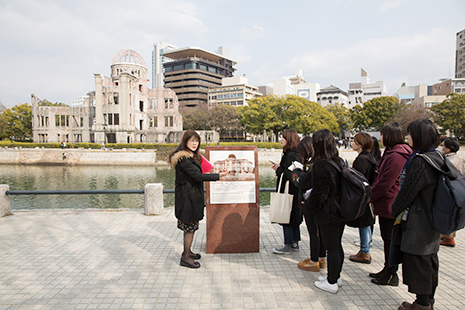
<point x="104" y="134"/>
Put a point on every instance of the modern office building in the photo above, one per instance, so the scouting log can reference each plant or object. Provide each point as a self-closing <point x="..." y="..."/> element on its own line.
<point x="359" y="93"/>
<point x="265" y="90"/>
<point x="458" y="85"/>
<point x="460" y="55"/>
<point x="234" y="91"/>
<point x="125" y="110"/>
<point x="405" y="94"/>
<point x="158" y="59"/>
<point x="330" y="95"/>
<point x="296" y="85"/>
<point x="193" y="71"/>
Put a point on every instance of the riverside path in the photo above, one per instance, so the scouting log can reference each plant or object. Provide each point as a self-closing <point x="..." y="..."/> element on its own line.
<point x="121" y="259"/>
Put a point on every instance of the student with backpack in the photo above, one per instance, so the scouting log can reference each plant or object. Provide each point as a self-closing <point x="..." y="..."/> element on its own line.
<point x="324" y="204"/>
<point x="366" y="164"/>
<point x="384" y="191"/>
<point x="417" y="240"/>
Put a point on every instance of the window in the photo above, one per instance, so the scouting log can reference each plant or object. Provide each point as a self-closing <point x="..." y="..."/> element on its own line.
<point x="168" y="69"/>
<point x="212" y="70"/>
<point x="203" y="67"/>
<point x="177" y="68"/>
<point x="141" y="106"/>
<point x="168" y="121"/>
<point x="140" y="88"/>
<point x="153" y="122"/>
<point x="115" y="98"/>
<point x="141" y="123"/>
<point x="168" y="103"/>
<point x="116" y="83"/>
<point x="81" y="122"/>
<point x="191" y="65"/>
<point x="116" y="119"/>
<point x="110" y="119"/>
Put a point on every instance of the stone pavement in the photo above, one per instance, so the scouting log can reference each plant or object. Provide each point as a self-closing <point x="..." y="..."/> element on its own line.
<point x="94" y="259"/>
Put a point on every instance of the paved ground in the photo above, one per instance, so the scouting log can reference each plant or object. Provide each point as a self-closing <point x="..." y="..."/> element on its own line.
<point x="92" y="259"/>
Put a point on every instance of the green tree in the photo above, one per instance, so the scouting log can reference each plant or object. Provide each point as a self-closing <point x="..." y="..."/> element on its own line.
<point x="263" y="113"/>
<point x="47" y="103"/>
<point x="375" y="112"/>
<point x="342" y="115"/>
<point x="18" y="120"/>
<point x="450" y="114"/>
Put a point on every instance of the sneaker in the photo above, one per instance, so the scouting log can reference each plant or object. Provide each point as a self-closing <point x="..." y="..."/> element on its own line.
<point x="295" y="246"/>
<point x="307" y="265"/>
<point x="283" y="250"/>
<point x="323" y="278"/>
<point x="322" y="263"/>
<point x="325" y="286"/>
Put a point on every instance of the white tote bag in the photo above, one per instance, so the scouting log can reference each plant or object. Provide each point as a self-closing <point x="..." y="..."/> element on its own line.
<point x="281" y="205"/>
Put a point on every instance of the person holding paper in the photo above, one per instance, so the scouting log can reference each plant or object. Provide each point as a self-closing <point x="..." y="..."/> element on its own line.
<point x="189" y="198"/>
<point x="289" y="142"/>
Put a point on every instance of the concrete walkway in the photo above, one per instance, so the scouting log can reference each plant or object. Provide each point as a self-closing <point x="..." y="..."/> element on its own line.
<point x="91" y="259"/>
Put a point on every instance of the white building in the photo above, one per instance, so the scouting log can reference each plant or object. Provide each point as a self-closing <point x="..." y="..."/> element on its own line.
<point x="359" y="93"/>
<point x="296" y="85"/>
<point x="158" y="72"/>
<point x="460" y="55"/>
<point x="405" y="94"/>
<point x="234" y="91"/>
<point x="79" y="102"/>
<point x="332" y="94"/>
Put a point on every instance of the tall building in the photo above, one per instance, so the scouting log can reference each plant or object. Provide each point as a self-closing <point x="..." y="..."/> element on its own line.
<point x="460" y="55"/>
<point x="235" y="91"/>
<point x="158" y="59"/>
<point x="193" y="71"/>
<point x="359" y="93"/>
<point x="121" y="109"/>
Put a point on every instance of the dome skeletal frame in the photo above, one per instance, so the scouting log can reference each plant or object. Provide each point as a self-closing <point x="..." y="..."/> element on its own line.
<point x="128" y="56"/>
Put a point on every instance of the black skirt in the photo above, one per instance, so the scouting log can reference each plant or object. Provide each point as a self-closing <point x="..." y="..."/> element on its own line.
<point x="420" y="273"/>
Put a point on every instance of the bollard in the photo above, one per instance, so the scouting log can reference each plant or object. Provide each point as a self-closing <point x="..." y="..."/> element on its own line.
<point x="4" y="201"/>
<point x="153" y="199"/>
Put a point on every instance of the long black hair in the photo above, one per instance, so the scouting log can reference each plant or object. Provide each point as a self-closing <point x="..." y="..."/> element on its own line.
<point x="324" y="145"/>
<point x="183" y="145"/>
<point x="424" y="135"/>
<point x="305" y="150"/>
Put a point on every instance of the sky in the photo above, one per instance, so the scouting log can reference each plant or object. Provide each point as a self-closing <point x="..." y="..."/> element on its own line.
<point x="52" y="48"/>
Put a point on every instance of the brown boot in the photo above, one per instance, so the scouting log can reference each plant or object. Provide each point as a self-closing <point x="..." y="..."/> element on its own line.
<point x="448" y="242"/>
<point x="361" y="258"/>
<point x="408" y="306"/>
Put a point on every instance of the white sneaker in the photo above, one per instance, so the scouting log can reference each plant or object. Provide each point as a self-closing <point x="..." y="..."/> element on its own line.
<point x="325" y="286"/>
<point x="323" y="278"/>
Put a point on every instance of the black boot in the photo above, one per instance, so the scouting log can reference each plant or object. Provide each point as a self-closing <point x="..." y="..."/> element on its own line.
<point x="378" y="274"/>
<point x="387" y="279"/>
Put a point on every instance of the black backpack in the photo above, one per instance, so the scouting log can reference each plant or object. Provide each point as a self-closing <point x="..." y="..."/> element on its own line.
<point x="355" y="192"/>
<point x="446" y="214"/>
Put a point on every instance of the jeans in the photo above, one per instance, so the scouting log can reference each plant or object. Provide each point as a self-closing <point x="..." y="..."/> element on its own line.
<point x="291" y="234"/>
<point x="332" y="238"/>
<point x="365" y="239"/>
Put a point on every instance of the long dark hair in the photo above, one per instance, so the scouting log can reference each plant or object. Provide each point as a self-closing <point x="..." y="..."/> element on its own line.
<point x="305" y="150"/>
<point x="183" y="145"/>
<point x="292" y="139"/>
<point x="375" y="151"/>
<point x="424" y="135"/>
<point x="324" y="145"/>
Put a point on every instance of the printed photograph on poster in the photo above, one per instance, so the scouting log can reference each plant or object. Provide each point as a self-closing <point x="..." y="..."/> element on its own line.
<point x="241" y="164"/>
<point x="239" y="185"/>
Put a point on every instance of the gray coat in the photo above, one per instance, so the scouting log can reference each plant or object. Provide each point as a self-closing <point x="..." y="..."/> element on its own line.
<point x="417" y="192"/>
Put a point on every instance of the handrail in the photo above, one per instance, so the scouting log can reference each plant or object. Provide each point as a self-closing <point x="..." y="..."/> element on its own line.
<point x="103" y="191"/>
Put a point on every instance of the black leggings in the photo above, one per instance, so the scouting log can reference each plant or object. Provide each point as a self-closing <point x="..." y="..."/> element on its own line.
<point x="317" y="247"/>
<point x="332" y="238"/>
<point x="385" y="227"/>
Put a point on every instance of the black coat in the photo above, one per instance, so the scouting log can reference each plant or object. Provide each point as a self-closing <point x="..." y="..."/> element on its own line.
<point x="366" y="164"/>
<point x="288" y="157"/>
<point x="303" y="179"/>
<point x="189" y="201"/>
<point x="326" y="192"/>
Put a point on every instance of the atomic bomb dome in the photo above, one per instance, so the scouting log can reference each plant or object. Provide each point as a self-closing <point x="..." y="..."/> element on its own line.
<point x="128" y="56"/>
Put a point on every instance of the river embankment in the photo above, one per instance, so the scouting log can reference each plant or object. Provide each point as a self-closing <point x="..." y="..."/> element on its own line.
<point x="120" y="157"/>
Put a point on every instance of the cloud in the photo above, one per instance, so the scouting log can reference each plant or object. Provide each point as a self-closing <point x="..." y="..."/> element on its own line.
<point x="389" y="4"/>
<point x="256" y="32"/>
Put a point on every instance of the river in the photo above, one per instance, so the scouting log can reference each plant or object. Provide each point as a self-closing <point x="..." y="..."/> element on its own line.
<point x="20" y="177"/>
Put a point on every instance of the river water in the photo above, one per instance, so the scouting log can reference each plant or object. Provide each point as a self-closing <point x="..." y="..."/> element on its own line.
<point x="89" y="177"/>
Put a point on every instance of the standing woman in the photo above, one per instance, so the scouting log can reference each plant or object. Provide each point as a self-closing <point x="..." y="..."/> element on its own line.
<point x="324" y="203"/>
<point x="384" y="192"/>
<point x="419" y="242"/>
<point x="450" y="147"/>
<point x="189" y="198"/>
<point x="289" y="142"/>
<point x="302" y="178"/>
<point x="367" y="165"/>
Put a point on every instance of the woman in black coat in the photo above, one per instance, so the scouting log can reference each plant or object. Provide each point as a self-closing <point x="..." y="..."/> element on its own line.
<point x="324" y="203"/>
<point x="366" y="164"/>
<point x="289" y="142"/>
<point x="189" y="200"/>
<point x="418" y="241"/>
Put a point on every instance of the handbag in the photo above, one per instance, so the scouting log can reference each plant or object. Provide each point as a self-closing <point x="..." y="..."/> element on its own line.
<point x="281" y="205"/>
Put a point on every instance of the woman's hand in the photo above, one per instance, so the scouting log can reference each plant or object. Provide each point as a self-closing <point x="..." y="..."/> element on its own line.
<point x="224" y="173"/>
<point x="275" y="167"/>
